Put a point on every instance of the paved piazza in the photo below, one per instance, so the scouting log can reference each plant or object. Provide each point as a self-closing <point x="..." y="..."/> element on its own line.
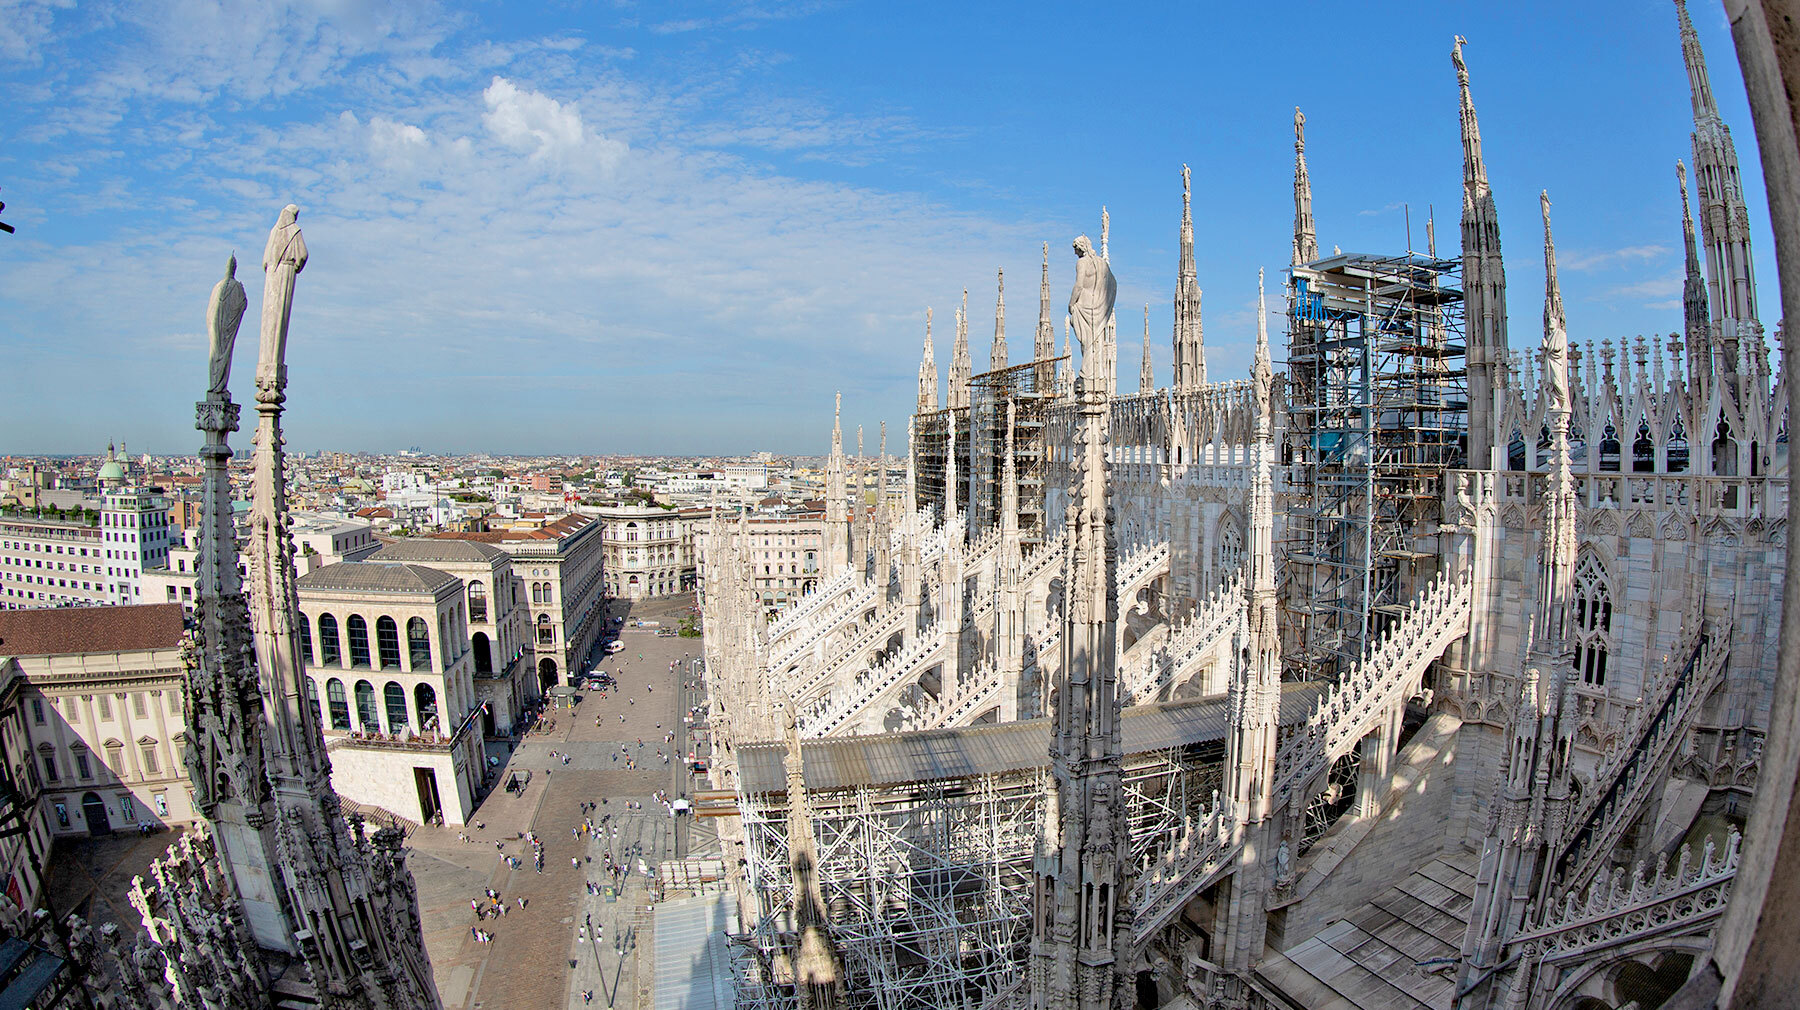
<point x="537" y="958"/>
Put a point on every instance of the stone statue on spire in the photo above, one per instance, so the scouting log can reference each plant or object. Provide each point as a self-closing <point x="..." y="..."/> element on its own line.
<point x="283" y="259"/>
<point x="1091" y="305"/>
<point x="1555" y="388"/>
<point x="224" y="314"/>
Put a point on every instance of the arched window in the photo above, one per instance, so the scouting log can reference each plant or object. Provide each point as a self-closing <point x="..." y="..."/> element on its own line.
<point x="1724" y="451"/>
<point x="418" y="644"/>
<point x="1678" y="448"/>
<point x="1593" y="620"/>
<point x="425" y="701"/>
<point x="328" y="640"/>
<point x="484" y="660"/>
<point x="312" y="695"/>
<point x="546" y="634"/>
<point x="1231" y="548"/>
<point x="368" y="717"/>
<point x="340" y="706"/>
<point x="306" y="652"/>
<point x="387" y="637"/>
<point x="537" y="592"/>
<point x="359" y="640"/>
<point x="396" y="707"/>
<point x="1609" y="448"/>
<point x="549" y="597"/>
<point x="477" y="601"/>
<point x="1643" y="450"/>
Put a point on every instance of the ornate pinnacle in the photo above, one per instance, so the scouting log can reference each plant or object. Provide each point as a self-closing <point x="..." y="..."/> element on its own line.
<point x="1474" y="169"/>
<point x="997" y="354"/>
<point x="1306" y="243"/>
<point x="1699" y="85"/>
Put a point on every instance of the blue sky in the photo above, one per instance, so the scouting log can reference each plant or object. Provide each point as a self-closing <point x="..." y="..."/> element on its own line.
<point x="573" y="227"/>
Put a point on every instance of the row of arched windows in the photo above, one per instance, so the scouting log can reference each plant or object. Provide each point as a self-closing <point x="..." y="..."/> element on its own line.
<point x="332" y="646"/>
<point x="540" y="593"/>
<point x="335" y="712"/>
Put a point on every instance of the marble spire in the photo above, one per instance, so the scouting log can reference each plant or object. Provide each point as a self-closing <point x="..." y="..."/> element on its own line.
<point x="1534" y="773"/>
<point x="960" y="367"/>
<point x="223" y="750"/>
<point x="353" y="912"/>
<point x="1699" y="84"/>
<point x="1255" y="691"/>
<point x="1146" y="370"/>
<point x="884" y="546"/>
<point x="1724" y="217"/>
<point x="1553" y="392"/>
<point x="928" y="373"/>
<point x="818" y="984"/>
<point x="1190" y="349"/>
<point x="859" y="506"/>
<point x="1306" y="243"/>
<point x="1080" y="940"/>
<point x="1045" y="347"/>
<point x="1484" y="277"/>
<point x="1065" y="372"/>
<point x="997" y="353"/>
<point x="837" y="531"/>
<point x="1695" y="318"/>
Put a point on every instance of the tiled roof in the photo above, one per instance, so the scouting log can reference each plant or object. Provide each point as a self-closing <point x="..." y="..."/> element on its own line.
<point x="557" y="530"/>
<point x="438" y="550"/>
<point x="66" y="630"/>
<point x="376" y="577"/>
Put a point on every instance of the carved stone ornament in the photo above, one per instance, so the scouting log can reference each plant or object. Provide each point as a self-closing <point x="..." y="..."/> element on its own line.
<point x="214" y="415"/>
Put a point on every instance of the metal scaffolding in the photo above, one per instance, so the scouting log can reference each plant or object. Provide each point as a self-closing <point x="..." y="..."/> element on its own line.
<point x="928" y="884"/>
<point x="1378" y="400"/>
<point x="989" y="395"/>
<point x="930" y="449"/>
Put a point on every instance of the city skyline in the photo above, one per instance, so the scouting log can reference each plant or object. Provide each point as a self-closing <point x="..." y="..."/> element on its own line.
<point x="619" y="233"/>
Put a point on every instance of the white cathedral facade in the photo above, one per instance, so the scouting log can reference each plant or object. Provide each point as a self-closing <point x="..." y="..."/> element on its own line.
<point x="1431" y="672"/>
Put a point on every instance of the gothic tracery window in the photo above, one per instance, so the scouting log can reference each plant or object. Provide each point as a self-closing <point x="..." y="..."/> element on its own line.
<point x="1593" y="620"/>
<point x="1231" y="548"/>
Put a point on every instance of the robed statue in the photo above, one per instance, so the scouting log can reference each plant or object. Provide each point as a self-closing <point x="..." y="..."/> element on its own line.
<point x="224" y="314"/>
<point x="1091" y="303"/>
<point x="1554" y="387"/>
<point x="283" y="259"/>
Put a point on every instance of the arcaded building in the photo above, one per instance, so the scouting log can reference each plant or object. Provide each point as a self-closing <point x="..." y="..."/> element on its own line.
<point x="390" y="672"/>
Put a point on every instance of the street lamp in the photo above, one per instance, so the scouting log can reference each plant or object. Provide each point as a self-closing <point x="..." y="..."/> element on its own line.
<point x="594" y="938"/>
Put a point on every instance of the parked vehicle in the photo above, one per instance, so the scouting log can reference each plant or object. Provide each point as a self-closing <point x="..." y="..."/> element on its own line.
<point x="615" y="646"/>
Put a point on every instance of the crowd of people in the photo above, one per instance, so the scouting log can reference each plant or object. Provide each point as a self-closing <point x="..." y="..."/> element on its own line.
<point x="610" y="861"/>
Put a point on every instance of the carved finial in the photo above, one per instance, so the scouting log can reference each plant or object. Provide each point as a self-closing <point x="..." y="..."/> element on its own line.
<point x="1105" y="234"/>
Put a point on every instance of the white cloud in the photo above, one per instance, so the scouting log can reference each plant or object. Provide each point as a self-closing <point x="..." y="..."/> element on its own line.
<point x="1588" y="260"/>
<point x="24" y="27"/>
<point x="1656" y="287"/>
<point x="531" y="121"/>
<point x="691" y="272"/>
